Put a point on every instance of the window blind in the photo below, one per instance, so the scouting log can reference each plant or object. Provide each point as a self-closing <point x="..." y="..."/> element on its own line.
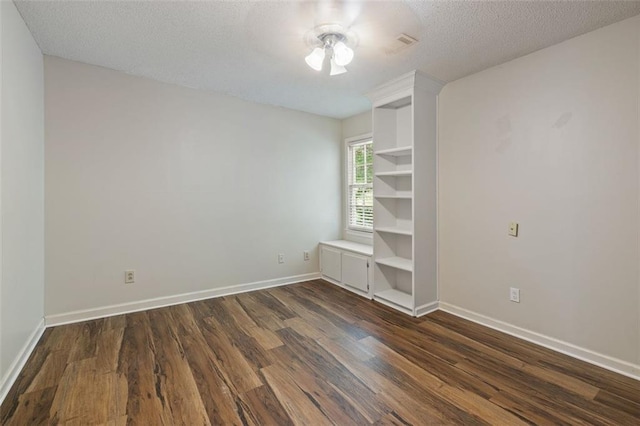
<point x="360" y="185"/>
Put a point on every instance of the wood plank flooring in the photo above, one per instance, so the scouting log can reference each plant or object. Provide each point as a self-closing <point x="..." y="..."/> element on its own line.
<point x="307" y="354"/>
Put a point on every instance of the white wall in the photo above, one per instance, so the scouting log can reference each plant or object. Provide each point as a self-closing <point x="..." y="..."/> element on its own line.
<point x="354" y="126"/>
<point x="21" y="188"/>
<point x="357" y="125"/>
<point x="550" y="140"/>
<point x="192" y="190"/>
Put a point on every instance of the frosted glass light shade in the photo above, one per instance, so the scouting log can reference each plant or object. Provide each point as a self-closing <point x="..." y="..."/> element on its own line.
<point x="315" y="58"/>
<point x="342" y="54"/>
<point x="336" y="69"/>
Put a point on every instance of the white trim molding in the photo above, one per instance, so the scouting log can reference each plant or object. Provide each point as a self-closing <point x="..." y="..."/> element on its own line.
<point x="358" y="138"/>
<point x="19" y="362"/>
<point x="160" y="302"/>
<point x="365" y="235"/>
<point x="610" y="363"/>
<point x="388" y="91"/>
<point x="393" y="305"/>
<point x="354" y="234"/>
<point x="427" y="308"/>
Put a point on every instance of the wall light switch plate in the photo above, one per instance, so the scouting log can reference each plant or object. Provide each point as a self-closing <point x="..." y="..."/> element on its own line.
<point x="514" y="294"/>
<point x="513" y="229"/>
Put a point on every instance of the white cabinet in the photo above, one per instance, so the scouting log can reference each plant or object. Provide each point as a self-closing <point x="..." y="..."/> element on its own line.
<point x="404" y="192"/>
<point x="331" y="265"/>
<point x="348" y="265"/>
<point x="355" y="271"/>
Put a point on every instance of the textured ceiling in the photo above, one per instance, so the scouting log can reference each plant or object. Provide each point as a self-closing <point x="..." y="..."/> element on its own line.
<point x="255" y="49"/>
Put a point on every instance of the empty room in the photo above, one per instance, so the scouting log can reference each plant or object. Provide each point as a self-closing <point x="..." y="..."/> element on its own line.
<point x="352" y="212"/>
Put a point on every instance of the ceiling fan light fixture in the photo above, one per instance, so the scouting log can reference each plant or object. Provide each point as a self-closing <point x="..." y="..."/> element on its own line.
<point x="342" y="54"/>
<point x="334" y="41"/>
<point x="336" y="69"/>
<point x="315" y="58"/>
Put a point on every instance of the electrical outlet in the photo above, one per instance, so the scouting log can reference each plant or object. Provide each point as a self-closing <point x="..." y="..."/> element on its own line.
<point x="513" y="229"/>
<point x="129" y="276"/>
<point x="305" y="255"/>
<point x="514" y="294"/>
<point x="280" y="258"/>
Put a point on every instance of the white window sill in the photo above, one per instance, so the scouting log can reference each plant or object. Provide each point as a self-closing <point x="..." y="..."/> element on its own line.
<point x="358" y="236"/>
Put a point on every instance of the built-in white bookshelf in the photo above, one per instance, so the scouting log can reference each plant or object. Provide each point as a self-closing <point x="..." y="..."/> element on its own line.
<point x="404" y="190"/>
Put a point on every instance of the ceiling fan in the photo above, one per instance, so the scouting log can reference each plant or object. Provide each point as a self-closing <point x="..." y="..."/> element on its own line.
<point x="330" y="34"/>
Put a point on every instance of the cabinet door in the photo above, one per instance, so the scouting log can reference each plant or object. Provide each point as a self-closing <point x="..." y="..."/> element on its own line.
<point x="354" y="271"/>
<point x="330" y="263"/>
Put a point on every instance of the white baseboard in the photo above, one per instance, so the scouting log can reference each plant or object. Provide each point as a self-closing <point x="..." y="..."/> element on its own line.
<point x="143" y="305"/>
<point x="18" y="364"/>
<point x="427" y="308"/>
<point x="613" y="364"/>
<point x="346" y="287"/>
<point x="393" y="305"/>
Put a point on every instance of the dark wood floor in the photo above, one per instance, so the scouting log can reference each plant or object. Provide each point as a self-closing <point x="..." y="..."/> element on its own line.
<point x="309" y="354"/>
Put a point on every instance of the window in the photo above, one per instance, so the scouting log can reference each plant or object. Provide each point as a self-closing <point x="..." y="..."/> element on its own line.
<point x="360" y="185"/>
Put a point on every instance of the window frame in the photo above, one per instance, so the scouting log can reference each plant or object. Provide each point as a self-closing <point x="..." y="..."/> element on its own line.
<point x="359" y="231"/>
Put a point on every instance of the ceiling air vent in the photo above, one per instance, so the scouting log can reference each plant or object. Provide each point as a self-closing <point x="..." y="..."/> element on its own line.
<point x="406" y="40"/>
<point x="401" y="42"/>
